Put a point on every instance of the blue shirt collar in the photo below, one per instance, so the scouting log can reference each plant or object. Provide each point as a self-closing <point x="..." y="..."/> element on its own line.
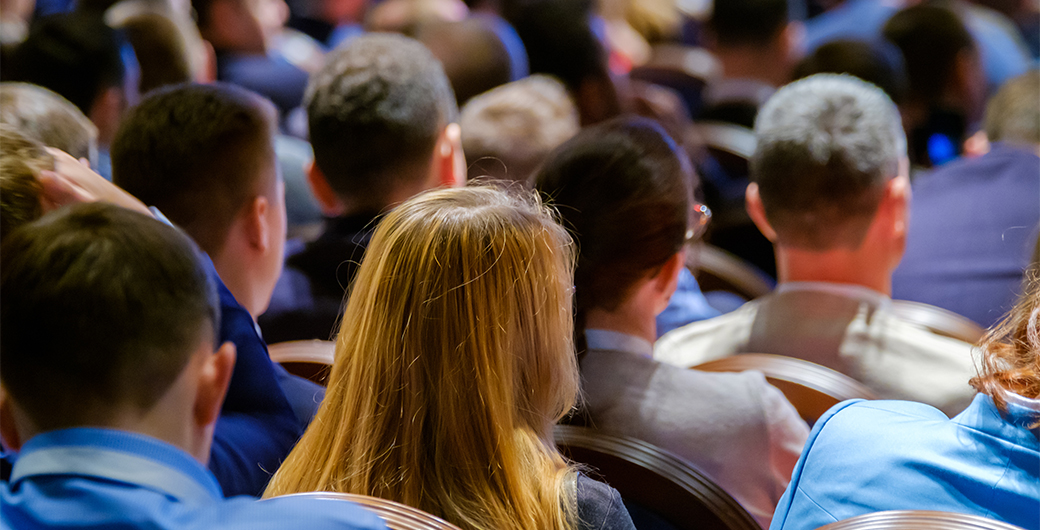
<point x="117" y="456"/>
<point x="1012" y="425"/>
<point x="604" y="339"/>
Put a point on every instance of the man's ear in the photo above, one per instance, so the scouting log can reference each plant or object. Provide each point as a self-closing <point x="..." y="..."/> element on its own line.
<point x="667" y="279"/>
<point x="258" y="230"/>
<point x="792" y="38"/>
<point x="328" y="201"/>
<point x="449" y="160"/>
<point x="897" y="204"/>
<point x="214" y="378"/>
<point x="753" y="204"/>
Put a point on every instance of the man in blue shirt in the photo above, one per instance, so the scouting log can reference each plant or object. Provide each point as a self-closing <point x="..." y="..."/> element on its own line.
<point x="114" y="381"/>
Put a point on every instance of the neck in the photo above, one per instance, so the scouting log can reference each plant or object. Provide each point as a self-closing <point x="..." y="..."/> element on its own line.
<point x="237" y="279"/>
<point x="625" y="320"/>
<point x="854" y="267"/>
<point x="765" y="64"/>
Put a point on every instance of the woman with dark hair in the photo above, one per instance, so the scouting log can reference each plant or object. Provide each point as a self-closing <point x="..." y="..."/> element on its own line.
<point x="624" y="190"/>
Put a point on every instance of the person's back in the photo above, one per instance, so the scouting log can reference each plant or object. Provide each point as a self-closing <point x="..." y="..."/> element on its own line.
<point x="830" y="190"/>
<point x="459" y="322"/>
<point x="387" y="98"/>
<point x="974" y="219"/>
<point x="867" y="456"/>
<point x="113" y="415"/>
<point x="204" y="156"/>
<point x="624" y="191"/>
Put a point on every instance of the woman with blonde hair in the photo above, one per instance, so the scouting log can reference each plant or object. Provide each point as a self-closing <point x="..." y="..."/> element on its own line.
<point x="454" y="360"/>
<point x="867" y="456"/>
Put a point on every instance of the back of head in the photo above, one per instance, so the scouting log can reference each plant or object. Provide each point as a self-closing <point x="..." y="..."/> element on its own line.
<point x="508" y="132"/>
<point x="460" y="323"/>
<point x="130" y="299"/>
<point x="375" y="112"/>
<point x="827" y="145"/>
<point x="930" y="37"/>
<point x="161" y="50"/>
<point x="1013" y="114"/>
<point x="198" y="153"/>
<point x="48" y="118"/>
<point x="739" y="23"/>
<point x="623" y="189"/>
<point x="1011" y="350"/>
<point x="76" y="55"/>
<point x="21" y="161"/>
<point x="559" y="40"/>
<point x="474" y="52"/>
<point x="879" y="63"/>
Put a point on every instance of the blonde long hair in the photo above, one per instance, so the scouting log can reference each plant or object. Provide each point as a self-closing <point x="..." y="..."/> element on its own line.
<point x="454" y="360"/>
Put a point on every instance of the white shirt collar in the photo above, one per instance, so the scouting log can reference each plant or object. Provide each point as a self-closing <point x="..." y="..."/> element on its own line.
<point x="602" y="339"/>
<point x="847" y="290"/>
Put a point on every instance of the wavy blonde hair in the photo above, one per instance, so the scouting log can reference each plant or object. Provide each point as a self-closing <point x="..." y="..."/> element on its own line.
<point x="454" y="360"/>
<point x="1011" y="350"/>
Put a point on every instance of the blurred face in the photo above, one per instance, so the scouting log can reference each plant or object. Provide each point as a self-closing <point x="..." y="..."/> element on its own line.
<point x="234" y="27"/>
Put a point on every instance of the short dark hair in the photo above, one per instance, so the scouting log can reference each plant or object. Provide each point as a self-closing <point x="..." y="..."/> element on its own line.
<point x="623" y="189"/>
<point x="472" y="51"/>
<point x="21" y="160"/>
<point x="160" y="48"/>
<point x="47" y="117"/>
<point x="102" y="307"/>
<point x="747" y="22"/>
<point x="877" y="62"/>
<point x="1013" y="114"/>
<point x="74" y="54"/>
<point x="196" y="153"/>
<point x="375" y="111"/>
<point x="827" y="145"/>
<point x="930" y="37"/>
<point x="560" y="42"/>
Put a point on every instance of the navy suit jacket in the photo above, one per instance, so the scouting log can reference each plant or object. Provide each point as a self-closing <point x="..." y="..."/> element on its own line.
<point x="973" y="226"/>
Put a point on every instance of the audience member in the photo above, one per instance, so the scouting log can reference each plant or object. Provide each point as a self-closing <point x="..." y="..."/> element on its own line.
<point x="86" y="62"/>
<point x="383" y="124"/>
<point x="830" y="189"/>
<point x="114" y="415"/>
<point x="878" y="62"/>
<point x="407" y="16"/>
<point x="203" y="155"/>
<point x="234" y="29"/>
<point x="460" y="322"/>
<point x="161" y="50"/>
<point x="561" y="42"/>
<point x="623" y="189"/>
<point x="478" y="53"/>
<point x="946" y="91"/>
<point x="508" y="131"/>
<point x="975" y="219"/>
<point x="757" y="46"/>
<point x="895" y="455"/>
<point x="1003" y="53"/>
<point x="49" y="119"/>
<point x="21" y="161"/>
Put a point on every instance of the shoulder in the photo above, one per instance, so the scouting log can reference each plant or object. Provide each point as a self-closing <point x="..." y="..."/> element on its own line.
<point x="707" y="340"/>
<point x="295" y="512"/>
<point x="600" y="507"/>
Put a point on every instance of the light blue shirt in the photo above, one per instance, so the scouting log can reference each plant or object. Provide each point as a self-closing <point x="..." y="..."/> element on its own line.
<point x="867" y="456"/>
<point x="89" y="478"/>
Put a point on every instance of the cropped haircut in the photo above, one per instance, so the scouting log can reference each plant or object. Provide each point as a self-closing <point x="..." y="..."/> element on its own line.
<point x="472" y="51"/>
<point x="74" y="54"/>
<point x="45" y="116"/>
<point x="453" y="364"/>
<point x="1013" y="114"/>
<point x="375" y="112"/>
<point x="1010" y="359"/>
<point x="102" y="308"/>
<point x="623" y="189"/>
<point x="508" y="131"/>
<point x="21" y="160"/>
<point x="930" y="37"/>
<point x="747" y="22"/>
<point x="196" y="152"/>
<point x="827" y="146"/>
<point x="161" y="50"/>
